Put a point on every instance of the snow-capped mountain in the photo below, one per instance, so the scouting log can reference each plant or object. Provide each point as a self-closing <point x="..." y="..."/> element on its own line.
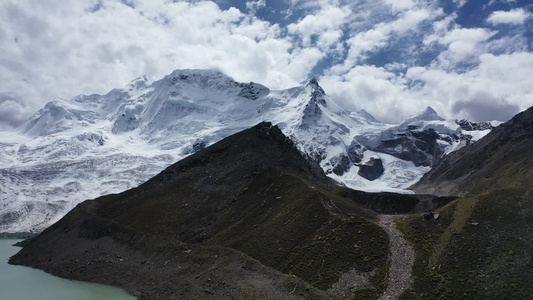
<point x="426" y="137"/>
<point x="78" y="149"/>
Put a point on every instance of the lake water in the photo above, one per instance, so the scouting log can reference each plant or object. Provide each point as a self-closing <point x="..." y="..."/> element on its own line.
<point x="18" y="283"/>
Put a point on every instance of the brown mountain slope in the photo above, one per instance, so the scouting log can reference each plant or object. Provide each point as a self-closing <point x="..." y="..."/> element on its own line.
<point x="501" y="158"/>
<point x="481" y="246"/>
<point x="229" y="222"/>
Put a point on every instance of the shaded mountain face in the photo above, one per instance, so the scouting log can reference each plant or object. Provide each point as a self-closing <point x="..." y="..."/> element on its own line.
<point x="93" y="145"/>
<point x="425" y="138"/>
<point x="420" y="147"/>
<point x="212" y="181"/>
<point x="228" y="222"/>
<point x="480" y="247"/>
<point x="472" y="126"/>
<point x="499" y="159"/>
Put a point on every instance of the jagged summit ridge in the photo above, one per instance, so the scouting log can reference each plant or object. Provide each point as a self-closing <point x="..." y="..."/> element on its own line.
<point x="313" y="84"/>
<point x="473" y="126"/>
<point x="138" y="83"/>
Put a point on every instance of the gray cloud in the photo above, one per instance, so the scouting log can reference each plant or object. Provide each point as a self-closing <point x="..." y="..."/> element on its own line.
<point x="12" y="113"/>
<point x="483" y="107"/>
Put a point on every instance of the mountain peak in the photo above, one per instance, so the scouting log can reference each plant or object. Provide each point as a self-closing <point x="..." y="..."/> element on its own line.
<point x="265" y="139"/>
<point x="48" y="119"/>
<point x="138" y="83"/>
<point x="368" y="116"/>
<point x="314" y="86"/>
<point x="202" y="77"/>
<point x="430" y="109"/>
<point x="312" y="111"/>
<point x="313" y="81"/>
<point x="429" y="114"/>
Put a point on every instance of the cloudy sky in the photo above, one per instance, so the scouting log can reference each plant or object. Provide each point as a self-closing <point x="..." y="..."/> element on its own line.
<point x="465" y="58"/>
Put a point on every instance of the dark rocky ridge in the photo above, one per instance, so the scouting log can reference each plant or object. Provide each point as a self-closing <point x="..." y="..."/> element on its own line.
<point x="228" y="222"/>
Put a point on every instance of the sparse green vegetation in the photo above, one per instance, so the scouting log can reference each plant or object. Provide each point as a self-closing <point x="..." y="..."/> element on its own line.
<point x="366" y="294"/>
<point x="481" y="245"/>
<point x="301" y="236"/>
<point x="479" y="253"/>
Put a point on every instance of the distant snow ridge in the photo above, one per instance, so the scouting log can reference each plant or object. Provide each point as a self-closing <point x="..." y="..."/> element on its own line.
<point x="78" y="149"/>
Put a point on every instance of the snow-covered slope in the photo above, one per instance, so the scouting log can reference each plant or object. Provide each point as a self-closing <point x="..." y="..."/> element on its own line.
<point x="78" y="149"/>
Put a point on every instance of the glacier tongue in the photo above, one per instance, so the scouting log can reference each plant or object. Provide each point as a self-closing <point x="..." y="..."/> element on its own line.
<point x="78" y="149"/>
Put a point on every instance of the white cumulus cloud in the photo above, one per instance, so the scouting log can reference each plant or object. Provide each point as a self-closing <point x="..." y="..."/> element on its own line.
<point x="392" y="58"/>
<point x="325" y="27"/>
<point x="378" y="36"/>
<point x="463" y="44"/>
<point x="58" y="49"/>
<point x="516" y="17"/>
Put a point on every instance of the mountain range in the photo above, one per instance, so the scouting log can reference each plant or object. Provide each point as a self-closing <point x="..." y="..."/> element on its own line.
<point x="94" y="145"/>
<point x="251" y="216"/>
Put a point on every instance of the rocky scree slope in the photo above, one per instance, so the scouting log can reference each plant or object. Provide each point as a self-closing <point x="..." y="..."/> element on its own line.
<point x="230" y="221"/>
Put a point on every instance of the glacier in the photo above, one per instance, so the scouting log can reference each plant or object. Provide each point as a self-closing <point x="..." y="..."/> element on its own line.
<point x="92" y="145"/>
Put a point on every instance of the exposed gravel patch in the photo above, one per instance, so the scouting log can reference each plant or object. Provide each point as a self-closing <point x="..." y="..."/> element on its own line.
<point x="351" y="281"/>
<point x="402" y="257"/>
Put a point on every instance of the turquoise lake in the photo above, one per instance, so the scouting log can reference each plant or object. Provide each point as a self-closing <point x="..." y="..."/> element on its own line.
<point x="17" y="283"/>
